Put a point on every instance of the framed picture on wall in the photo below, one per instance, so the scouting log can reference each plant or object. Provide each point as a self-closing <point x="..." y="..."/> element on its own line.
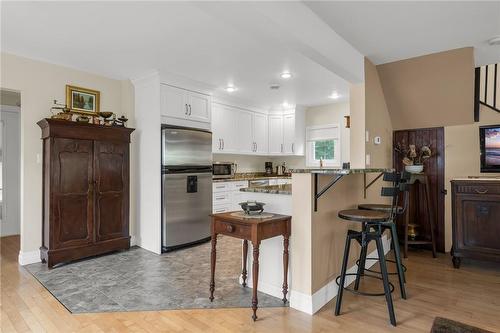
<point x="82" y="100"/>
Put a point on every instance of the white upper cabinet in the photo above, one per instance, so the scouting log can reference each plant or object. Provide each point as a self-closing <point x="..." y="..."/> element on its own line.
<point x="245" y="131"/>
<point x="184" y="104"/>
<point x="260" y="133"/>
<point x="199" y="106"/>
<point x="275" y="134"/>
<point x="288" y="133"/>
<point x="224" y="129"/>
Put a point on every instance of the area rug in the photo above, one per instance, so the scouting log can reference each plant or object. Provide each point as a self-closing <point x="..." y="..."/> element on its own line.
<point x="443" y="325"/>
<point x="137" y="280"/>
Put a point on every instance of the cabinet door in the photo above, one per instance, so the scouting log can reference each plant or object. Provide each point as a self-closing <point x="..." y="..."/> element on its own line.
<point x="174" y="102"/>
<point x="199" y="107"/>
<point x="245" y="132"/>
<point x="217" y="128"/>
<point x="260" y="133"/>
<point x="111" y="170"/>
<point x="479" y="222"/>
<point x="229" y="129"/>
<point x="275" y="134"/>
<point x="288" y="133"/>
<point x="72" y="193"/>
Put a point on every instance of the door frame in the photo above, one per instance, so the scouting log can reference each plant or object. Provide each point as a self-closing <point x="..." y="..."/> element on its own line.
<point x="14" y="229"/>
<point x="439" y="205"/>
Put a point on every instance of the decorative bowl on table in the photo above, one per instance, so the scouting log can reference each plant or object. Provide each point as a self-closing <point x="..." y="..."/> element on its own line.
<point x="252" y="207"/>
<point x="414" y="168"/>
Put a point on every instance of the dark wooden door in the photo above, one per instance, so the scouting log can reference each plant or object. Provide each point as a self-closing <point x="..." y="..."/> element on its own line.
<point x="112" y="177"/>
<point x="434" y="168"/>
<point x="72" y="183"/>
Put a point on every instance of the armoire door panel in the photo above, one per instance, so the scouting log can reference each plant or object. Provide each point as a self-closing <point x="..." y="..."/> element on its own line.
<point x="72" y="183"/>
<point x="111" y="176"/>
<point x="482" y="229"/>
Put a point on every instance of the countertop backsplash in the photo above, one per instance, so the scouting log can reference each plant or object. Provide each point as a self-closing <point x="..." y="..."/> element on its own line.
<point x="253" y="163"/>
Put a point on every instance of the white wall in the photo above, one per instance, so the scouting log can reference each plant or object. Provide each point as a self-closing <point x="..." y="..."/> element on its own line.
<point x="332" y="114"/>
<point x="39" y="84"/>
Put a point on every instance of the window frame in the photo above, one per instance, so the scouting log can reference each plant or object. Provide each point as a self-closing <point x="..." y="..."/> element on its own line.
<point x="337" y="160"/>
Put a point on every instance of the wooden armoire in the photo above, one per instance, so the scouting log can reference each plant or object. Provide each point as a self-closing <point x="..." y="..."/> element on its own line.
<point x="85" y="190"/>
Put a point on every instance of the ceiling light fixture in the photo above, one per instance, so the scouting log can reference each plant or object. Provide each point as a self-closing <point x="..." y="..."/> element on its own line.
<point x="231" y="89"/>
<point x="494" y="40"/>
<point x="334" y="95"/>
<point x="286" y="75"/>
<point x="285" y="105"/>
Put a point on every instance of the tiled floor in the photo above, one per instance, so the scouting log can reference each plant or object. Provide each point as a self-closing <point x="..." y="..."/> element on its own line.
<point x="137" y="280"/>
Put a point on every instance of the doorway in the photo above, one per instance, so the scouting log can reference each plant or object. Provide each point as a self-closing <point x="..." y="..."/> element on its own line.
<point x="10" y="163"/>
<point x="434" y="169"/>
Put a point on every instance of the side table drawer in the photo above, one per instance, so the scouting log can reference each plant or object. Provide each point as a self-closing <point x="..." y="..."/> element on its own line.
<point x="233" y="229"/>
<point x="478" y="188"/>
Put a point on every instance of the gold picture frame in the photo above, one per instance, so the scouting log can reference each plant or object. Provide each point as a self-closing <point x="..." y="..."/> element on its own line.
<point x="83" y="100"/>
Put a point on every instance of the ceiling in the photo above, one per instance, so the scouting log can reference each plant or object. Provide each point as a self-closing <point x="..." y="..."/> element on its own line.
<point x="213" y="43"/>
<point x="390" y="31"/>
<point x="247" y="44"/>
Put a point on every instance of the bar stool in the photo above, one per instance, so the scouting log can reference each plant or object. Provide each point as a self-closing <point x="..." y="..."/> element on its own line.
<point x="372" y="230"/>
<point x="399" y="180"/>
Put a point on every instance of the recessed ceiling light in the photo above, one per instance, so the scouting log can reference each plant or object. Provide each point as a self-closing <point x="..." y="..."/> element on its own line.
<point x="494" y="41"/>
<point x="231" y="88"/>
<point x="286" y="75"/>
<point x="285" y="105"/>
<point x="334" y="95"/>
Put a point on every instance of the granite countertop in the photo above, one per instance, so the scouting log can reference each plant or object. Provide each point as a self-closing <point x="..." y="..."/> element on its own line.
<point x="270" y="189"/>
<point x="340" y="171"/>
<point x="251" y="176"/>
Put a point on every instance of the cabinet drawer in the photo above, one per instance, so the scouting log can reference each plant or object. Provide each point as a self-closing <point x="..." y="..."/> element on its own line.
<point x="237" y="185"/>
<point x="221" y="187"/>
<point x="233" y="229"/>
<point x="221" y="209"/>
<point x="478" y="188"/>
<point x="221" y="198"/>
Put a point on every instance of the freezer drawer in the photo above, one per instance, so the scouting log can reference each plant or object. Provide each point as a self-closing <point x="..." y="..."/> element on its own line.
<point x="187" y="204"/>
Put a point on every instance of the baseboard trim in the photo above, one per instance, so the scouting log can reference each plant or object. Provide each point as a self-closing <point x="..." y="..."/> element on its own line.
<point x="134" y="241"/>
<point x="26" y="258"/>
<point x="311" y="304"/>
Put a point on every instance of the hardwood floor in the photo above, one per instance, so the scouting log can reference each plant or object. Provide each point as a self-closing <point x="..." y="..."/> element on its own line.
<point x="470" y="295"/>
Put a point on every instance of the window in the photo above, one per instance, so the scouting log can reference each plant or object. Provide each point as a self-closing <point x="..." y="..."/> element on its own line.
<point x="323" y="144"/>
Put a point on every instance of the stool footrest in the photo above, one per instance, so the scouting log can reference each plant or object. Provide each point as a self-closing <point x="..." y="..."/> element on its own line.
<point x="379" y="272"/>
<point x="357" y="292"/>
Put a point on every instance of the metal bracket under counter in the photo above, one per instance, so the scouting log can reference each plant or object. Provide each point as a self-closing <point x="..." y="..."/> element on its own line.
<point x="335" y="179"/>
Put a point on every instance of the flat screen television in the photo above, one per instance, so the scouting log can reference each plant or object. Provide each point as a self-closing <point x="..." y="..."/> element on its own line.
<point x="489" y="137"/>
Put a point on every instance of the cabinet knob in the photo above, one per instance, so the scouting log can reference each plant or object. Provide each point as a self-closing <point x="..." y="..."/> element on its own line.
<point x="229" y="228"/>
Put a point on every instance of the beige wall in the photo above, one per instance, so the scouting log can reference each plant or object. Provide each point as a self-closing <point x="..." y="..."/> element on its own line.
<point x="377" y="119"/>
<point x="332" y="114"/>
<point x="357" y="111"/>
<point x="430" y="91"/>
<point x="462" y="157"/>
<point x="39" y="84"/>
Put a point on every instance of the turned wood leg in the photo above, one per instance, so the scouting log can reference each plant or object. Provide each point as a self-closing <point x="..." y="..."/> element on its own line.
<point x="285" y="267"/>
<point x="456" y="262"/>
<point x="245" y="255"/>
<point x="406" y="222"/>
<point x="255" y="278"/>
<point x="213" y="256"/>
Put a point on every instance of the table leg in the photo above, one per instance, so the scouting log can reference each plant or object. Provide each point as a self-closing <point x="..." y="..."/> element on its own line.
<point x="285" y="267"/>
<point x="430" y="212"/>
<point x="244" y="271"/>
<point x="255" y="278"/>
<point x="213" y="256"/>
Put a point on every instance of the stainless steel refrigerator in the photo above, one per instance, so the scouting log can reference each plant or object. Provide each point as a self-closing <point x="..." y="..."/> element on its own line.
<point x="186" y="186"/>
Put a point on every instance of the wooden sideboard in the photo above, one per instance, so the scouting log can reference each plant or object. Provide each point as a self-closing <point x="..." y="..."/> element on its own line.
<point x="85" y="190"/>
<point x="476" y="219"/>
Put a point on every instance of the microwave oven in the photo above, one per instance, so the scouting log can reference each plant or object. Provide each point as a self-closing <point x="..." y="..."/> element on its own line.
<point x="223" y="169"/>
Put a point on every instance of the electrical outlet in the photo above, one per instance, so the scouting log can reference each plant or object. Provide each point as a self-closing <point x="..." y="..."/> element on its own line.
<point x="377" y="140"/>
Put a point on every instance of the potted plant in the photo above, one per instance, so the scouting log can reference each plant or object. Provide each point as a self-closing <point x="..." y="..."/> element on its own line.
<point x="413" y="158"/>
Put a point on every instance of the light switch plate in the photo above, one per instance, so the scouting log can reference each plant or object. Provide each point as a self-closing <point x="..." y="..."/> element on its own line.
<point x="38" y="158"/>
<point x="367" y="136"/>
<point x="367" y="160"/>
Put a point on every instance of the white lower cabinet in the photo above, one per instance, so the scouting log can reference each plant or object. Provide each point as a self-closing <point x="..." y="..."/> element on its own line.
<point x="227" y="196"/>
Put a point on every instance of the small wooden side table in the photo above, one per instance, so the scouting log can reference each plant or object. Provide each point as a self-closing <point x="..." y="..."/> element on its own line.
<point x="424" y="180"/>
<point x="254" y="229"/>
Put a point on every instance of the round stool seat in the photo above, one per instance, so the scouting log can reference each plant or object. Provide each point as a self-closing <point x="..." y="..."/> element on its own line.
<point x="379" y="207"/>
<point x="363" y="215"/>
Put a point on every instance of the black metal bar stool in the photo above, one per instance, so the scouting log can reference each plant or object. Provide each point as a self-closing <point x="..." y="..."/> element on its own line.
<point x="372" y="230"/>
<point x="398" y="180"/>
